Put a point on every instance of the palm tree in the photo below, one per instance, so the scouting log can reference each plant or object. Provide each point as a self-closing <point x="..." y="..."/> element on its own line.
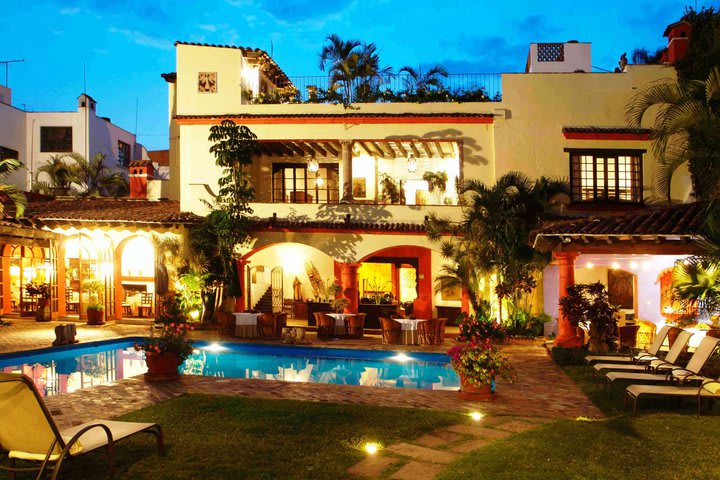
<point x="492" y="237"/>
<point x="641" y="56"/>
<point x="61" y="175"/>
<point x="686" y="131"/>
<point x="420" y="83"/>
<point x="95" y="178"/>
<point x="17" y="198"/>
<point x="354" y="66"/>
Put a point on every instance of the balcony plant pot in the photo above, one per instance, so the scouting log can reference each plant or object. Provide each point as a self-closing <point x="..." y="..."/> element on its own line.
<point x="95" y="316"/>
<point x="42" y="314"/>
<point x="162" y="366"/>
<point x="476" y="393"/>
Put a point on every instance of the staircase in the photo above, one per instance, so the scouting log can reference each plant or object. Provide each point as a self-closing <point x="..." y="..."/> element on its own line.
<point x="265" y="305"/>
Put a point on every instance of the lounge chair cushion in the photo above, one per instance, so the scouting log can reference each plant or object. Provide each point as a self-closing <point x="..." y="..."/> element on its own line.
<point x="90" y="440"/>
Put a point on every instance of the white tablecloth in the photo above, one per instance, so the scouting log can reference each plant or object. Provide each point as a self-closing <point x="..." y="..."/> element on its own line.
<point x="340" y="321"/>
<point x="246" y="324"/>
<point x="409" y="330"/>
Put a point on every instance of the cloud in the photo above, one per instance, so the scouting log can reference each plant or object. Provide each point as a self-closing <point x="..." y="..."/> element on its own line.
<point x="309" y="13"/>
<point x="536" y="28"/>
<point x="69" y="11"/>
<point x="143" y="39"/>
<point x="485" y="55"/>
<point x="208" y="27"/>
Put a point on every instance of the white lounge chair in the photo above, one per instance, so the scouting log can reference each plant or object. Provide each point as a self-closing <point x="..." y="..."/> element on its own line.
<point x="642" y="356"/>
<point x="691" y="371"/>
<point x="709" y="389"/>
<point x="666" y="364"/>
<point x="28" y="432"/>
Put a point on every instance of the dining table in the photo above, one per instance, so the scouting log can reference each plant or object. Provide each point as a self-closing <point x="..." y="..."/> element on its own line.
<point x="340" y="322"/>
<point x="409" y="332"/>
<point x="246" y="325"/>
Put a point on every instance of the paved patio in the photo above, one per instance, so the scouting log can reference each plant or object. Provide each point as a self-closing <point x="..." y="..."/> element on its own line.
<point x="541" y="391"/>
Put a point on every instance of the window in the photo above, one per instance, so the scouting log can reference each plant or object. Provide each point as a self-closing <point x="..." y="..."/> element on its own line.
<point x="606" y="175"/>
<point x="56" y="139"/>
<point x="6" y="153"/>
<point x="123" y="159"/>
<point x="293" y="183"/>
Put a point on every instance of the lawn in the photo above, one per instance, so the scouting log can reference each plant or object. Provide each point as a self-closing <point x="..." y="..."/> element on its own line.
<point x="219" y="437"/>
<point x="663" y="442"/>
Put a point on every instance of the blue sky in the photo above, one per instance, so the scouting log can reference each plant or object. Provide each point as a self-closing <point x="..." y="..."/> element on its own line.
<point x="126" y="44"/>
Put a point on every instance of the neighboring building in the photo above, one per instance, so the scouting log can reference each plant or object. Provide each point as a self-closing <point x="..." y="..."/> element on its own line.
<point x="32" y="137"/>
<point x="321" y="171"/>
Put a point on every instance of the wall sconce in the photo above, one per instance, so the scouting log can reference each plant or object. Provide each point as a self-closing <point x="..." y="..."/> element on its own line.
<point x="313" y="165"/>
<point x="412" y="164"/>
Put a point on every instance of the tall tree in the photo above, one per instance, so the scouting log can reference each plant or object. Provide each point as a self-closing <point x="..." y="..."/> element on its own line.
<point x="354" y="66"/>
<point x="641" y="56"/>
<point x="703" y="53"/>
<point x="686" y="130"/>
<point x="95" y="178"/>
<point x="492" y="237"/>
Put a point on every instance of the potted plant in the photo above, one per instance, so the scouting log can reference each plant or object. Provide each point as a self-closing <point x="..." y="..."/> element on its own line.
<point x="696" y="285"/>
<point x="42" y="292"/>
<point x="95" y="306"/>
<point x="589" y="303"/>
<point x="166" y="351"/>
<point x="478" y="364"/>
<point x="391" y="192"/>
<point x="437" y="184"/>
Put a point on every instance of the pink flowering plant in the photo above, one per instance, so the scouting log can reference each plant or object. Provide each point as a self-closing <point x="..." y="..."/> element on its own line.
<point x="172" y="339"/>
<point x="479" y="328"/>
<point x="480" y="362"/>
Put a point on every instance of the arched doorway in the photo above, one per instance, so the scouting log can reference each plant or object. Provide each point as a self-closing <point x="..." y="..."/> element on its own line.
<point x="26" y="265"/>
<point x="136" y="277"/>
<point x="89" y="275"/>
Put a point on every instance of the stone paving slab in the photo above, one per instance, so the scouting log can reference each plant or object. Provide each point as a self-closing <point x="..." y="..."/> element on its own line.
<point x="421" y="453"/>
<point x="516" y="426"/>
<point x="478" y="431"/>
<point x="372" y="466"/>
<point x="438" y="438"/>
<point x="469" y="446"/>
<point x="417" y="470"/>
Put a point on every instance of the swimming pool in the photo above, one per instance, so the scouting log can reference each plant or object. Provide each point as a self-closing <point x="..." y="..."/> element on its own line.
<point x="66" y="369"/>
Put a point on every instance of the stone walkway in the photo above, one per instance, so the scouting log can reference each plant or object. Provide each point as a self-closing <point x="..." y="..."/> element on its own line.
<point x="426" y="456"/>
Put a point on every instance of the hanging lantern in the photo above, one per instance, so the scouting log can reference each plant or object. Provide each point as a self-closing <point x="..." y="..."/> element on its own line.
<point x="313" y="165"/>
<point x="412" y="163"/>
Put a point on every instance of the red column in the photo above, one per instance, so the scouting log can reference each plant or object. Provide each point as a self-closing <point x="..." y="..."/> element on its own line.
<point x="465" y="301"/>
<point x="349" y="283"/>
<point x="567" y="335"/>
<point x="240" y="301"/>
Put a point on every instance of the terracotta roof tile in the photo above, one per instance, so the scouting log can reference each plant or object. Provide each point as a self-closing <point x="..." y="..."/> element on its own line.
<point x="686" y="219"/>
<point x="292" y="224"/>
<point x="592" y="129"/>
<point x="338" y="115"/>
<point x="110" y="210"/>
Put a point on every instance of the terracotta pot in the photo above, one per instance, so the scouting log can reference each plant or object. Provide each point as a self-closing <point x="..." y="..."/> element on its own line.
<point x="477" y="393"/>
<point x="162" y="366"/>
<point x="95" y="317"/>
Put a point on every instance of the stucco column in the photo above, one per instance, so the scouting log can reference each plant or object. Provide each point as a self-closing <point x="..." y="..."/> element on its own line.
<point x="567" y="335"/>
<point x="240" y="301"/>
<point x="349" y="283"/>
<point x="346" y="146"/>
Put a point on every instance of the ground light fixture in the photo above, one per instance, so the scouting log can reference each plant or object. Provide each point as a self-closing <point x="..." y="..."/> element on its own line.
<point x="371" y="447"/>
<point x="476" y="416"/>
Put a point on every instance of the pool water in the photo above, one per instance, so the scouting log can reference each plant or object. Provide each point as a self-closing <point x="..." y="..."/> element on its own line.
<point x="66" y="369"/>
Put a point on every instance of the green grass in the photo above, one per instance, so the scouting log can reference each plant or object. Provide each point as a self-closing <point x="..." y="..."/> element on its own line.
<point x="666" y="441"/>
<point x="227" y="437"/>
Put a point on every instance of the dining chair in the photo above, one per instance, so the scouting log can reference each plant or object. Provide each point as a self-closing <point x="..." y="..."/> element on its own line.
<point x="146" y="305"/>
<point x="266" y="325"/>
<point x="440" y="333"/>
<point x="355" y="325"/>
<point x="427" y="331"/>
<point x="280" y="323"/>
<point x="325" y="325"/>
<point x="391" y="330"/>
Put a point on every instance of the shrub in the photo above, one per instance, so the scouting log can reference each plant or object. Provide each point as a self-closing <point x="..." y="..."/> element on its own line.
<point x="480" y="327"/>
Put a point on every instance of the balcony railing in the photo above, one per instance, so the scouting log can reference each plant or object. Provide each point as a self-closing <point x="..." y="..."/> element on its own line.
<point x="457" y="84"/>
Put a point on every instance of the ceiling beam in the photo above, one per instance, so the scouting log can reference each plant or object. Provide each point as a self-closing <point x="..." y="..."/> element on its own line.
<point x="385" y="147"/>
<point x="364" y="147"/>
<point x="439" y="149"/>
<point x="304" y="148"/>
<point x="415" y="149"/>
<point x="264" y="150"/>
<point x="315" y="147"/>
<point x="333" y="148"/>
<point x="401" y="149"/>
<point x="426" y="147"/>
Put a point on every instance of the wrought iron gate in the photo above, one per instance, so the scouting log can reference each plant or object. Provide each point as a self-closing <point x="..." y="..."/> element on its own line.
<point x="276" y="283"/>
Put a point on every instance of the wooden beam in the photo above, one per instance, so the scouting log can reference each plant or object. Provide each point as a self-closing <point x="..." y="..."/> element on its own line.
<point x="401" y="148"/>
<point x="293" y="148"/>
<point x="641" y="247"/>
<point x="333" y="149"/>
<point x="415" y="149"/>
<point x="264" y="150"/>
<point x="385" y="147"/>
<point x="365" y="148"/>
<point x="304" y="148"/>
<point x="439" y="149"/>
<point x="315" y="146"/>
<point x="426" y="147"/>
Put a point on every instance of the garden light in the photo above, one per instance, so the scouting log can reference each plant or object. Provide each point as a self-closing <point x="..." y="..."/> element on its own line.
<point x="194" y="314"/>
<point x="371" y="448"/>
<point x="476" y="416"/>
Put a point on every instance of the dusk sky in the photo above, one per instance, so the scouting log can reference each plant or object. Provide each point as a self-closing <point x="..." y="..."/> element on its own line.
<point x="127" y="44"/>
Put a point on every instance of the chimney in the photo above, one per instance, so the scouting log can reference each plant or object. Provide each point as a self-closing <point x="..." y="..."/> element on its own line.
<point x="678" y="35"/>
<point x="141" y="171"/>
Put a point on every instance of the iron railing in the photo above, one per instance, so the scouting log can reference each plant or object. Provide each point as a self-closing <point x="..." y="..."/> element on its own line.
<point x="459" y="82"/>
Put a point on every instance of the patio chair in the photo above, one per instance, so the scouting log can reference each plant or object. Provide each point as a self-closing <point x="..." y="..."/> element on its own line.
<point x="709" y="389"/>
<point x="325" y="325"/>
<point x="226" y="323"/>
<point x="391" y="330"/>
<point x="691" y="371"/>
<point x="643" y="356"/>
<point x="355" y="326"/>
<point x="665" y="364"/>
<point x="440" y="334"/>
<point x="28" y="431"/>
<point x="427" y="331"/>
<point x="266" y="325"/>
<point x="146" y="305"/>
